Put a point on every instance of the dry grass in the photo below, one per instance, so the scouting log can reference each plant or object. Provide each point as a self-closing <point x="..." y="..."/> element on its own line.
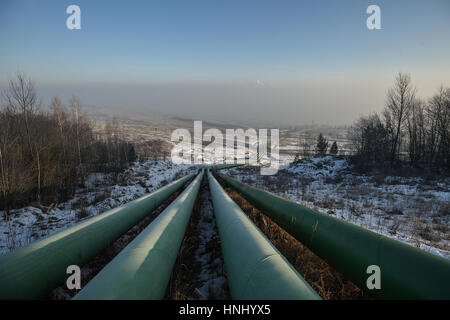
<point x="183" y="284"/>
<point x="326" y="281"/>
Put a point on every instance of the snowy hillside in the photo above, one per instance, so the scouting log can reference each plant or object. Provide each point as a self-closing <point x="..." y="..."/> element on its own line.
<point x="101" y="193"/>
<point x="410" y="209"/>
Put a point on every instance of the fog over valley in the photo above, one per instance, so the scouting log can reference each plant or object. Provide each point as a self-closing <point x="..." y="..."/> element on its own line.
<point x="329" y="100"/>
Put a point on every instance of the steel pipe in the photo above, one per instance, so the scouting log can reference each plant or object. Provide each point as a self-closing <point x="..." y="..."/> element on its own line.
<point x="142" y="269"/>
<point x="406" y="272"/>
<point x="33" y="271"/>
<point x="255" y="268"/>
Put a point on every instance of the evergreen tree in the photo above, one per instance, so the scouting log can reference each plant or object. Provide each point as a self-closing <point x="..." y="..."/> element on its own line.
<point x="322" y="145"/>
<point x="334" y="149"/>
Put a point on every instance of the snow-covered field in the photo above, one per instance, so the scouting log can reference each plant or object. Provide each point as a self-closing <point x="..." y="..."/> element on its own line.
<point x="410" y="209"/>
<point x="100" y="194"/>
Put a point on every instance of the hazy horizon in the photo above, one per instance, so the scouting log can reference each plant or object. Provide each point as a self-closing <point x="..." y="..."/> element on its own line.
<point x="287" y="63"/>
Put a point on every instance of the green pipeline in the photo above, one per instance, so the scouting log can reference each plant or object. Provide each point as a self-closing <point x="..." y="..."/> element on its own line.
<point x="33" y="271"/>
<point x="142" y="270"/>
<point x="406" y="272"/>
<point x="255" y="268"/>
<point x="224" y="166"/>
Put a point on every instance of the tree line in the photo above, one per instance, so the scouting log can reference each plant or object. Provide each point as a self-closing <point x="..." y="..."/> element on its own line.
<point x="46" y="153"/>
<point x="408" y="129"/>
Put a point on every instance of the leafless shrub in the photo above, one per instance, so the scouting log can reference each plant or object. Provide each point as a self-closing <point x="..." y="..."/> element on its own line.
<point x="367" y="204"/>
<point x="12" y="241"/>
<point x="354" y="209"/>
<point x="308" y="197"/>
<point x="326" y="203"/>
<point x="396" y="211"/>
<point x="100" y="196"/>
<point x="441" y="227"/>
<point x="334" y="180"/>
<point x="83" y="213"/>
<point x="395" y="226"/>
<point x="444" y="210"/>
<point x="428" y="234"/>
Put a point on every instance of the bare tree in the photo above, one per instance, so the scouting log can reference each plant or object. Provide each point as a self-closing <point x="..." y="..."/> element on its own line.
<point x="76" y="105"/>
<point x="46" y="153"/>
<point x="21" y="95"/>
<point x="416" y="125"/>
<point x="400" y="99"/>
<point x="21" y="98"/>
<point x="438" y="114"/>
<point x="6" y="142"/>
<point x="410" y="124"/>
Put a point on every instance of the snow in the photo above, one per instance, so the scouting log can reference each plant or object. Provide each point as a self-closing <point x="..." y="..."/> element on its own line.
<point x="101" y="193"/>
<point x="407" y="209"/>
<point x="211" y="273"/>
<point x="324" y="166"/>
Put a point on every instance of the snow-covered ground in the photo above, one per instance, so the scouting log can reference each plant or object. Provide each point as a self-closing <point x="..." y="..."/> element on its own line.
<point x="211" y="272"/>
<point x="410" y="209"/>
<point x="100" y="194"/>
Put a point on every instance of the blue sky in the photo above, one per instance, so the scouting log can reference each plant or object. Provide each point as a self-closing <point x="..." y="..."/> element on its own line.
<point x="280" y="44"/>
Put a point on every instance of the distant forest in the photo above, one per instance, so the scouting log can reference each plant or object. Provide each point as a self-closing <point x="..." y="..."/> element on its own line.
<point x="47" y="151"/>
